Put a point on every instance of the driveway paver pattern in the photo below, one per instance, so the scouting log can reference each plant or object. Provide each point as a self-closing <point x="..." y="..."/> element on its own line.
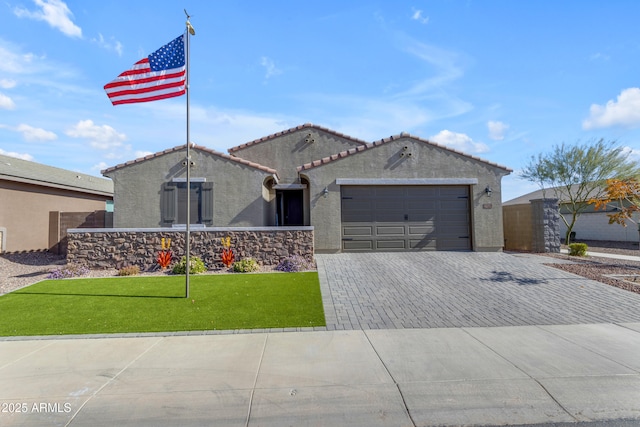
<point x="462" y="289"/>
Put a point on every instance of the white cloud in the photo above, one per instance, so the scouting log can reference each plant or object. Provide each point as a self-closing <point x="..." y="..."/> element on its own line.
<point x="418" y="16"/>
<point x="459" y="141"/>
<point x="22" y="156"/>
<point x="112" y="44"/>
<point x="270" y="67"/>
<point x="625" y="111"/>
<point x="6" y="103"/>
<point x="30" y="133"/>
<point x="634" y="153"/>
<point x="7" y="83"/>
<point x="101" y="137"/>
<point x="54" y="12"/>
<point x="497" y="130"/>
<point x="100" y="166"/>
<point x="140" y="154"/>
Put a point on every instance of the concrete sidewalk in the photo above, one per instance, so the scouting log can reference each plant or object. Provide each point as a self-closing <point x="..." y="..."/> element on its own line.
<point x="405" y="377"/>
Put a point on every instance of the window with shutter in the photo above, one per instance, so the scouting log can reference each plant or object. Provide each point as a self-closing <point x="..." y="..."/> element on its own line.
<point x="174" y="203"/>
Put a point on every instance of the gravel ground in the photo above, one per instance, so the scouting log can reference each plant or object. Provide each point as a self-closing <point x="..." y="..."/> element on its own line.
<point x="600" y="268"/>
<point x="20" y="270"/>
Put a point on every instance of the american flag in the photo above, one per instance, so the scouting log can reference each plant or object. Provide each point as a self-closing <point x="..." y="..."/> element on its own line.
<point x="162" y="75"/>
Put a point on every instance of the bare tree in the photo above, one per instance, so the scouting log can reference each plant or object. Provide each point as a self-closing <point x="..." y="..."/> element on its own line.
<point x="576" y="174"/>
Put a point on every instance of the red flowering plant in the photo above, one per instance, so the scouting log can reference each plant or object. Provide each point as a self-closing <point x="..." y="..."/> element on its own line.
<point x="165" y="255"/>
<point x="227" y="253"/>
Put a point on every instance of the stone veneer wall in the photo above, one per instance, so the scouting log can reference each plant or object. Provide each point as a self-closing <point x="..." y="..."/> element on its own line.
<point x="546" y="225"/>
<point x="118" y="248"/>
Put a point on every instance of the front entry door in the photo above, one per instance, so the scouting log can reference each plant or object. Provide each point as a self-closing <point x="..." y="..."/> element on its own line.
<point x="290" y="207"/>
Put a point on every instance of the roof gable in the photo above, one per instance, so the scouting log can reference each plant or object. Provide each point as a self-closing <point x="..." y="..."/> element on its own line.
<point x="403" y="135"/>
<point x="18" y="170"/>
<point x="239" y="160"/>
<point x="292" y="130"/>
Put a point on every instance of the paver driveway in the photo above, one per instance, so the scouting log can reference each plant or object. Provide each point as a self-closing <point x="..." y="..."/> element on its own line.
<point x="462" y="289"/>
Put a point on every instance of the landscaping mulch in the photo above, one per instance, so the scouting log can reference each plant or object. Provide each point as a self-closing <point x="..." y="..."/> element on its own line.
<point x="598" y="268"/>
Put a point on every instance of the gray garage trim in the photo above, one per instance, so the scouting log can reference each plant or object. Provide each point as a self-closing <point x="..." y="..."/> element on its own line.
<point x="407" y="181"/>
<point x="405" y="217"/>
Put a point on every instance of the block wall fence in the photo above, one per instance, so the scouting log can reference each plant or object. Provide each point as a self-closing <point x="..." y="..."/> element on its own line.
<point x="118" y="248"/>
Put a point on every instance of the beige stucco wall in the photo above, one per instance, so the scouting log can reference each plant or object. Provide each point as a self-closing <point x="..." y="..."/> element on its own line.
<point x="288" y="151"/>
<point x="238" y="196"/>
<point x="426" y="162"/>
<point x="24" y="212"/>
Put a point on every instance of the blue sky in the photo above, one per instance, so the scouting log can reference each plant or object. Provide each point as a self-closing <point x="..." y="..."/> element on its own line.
<point x="502" y="80"/>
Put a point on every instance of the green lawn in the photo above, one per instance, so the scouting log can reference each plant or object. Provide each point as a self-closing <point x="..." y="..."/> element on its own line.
<point x="157" y="303"/>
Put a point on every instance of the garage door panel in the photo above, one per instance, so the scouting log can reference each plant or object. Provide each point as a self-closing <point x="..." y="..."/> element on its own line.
<point x="453" y="244"/>
<point x="419" y="192"/>
<point x="398" y="244"/>
<point x="356" y="216"/>
<point x="357" y="204"/>
<point x="418" y="216"/>
<point x="390" y="230"/>
<point x="389" y="192"/>
<point x="405" y="217"/>
<point x="357" y="231"/>
<point x="420" y="230"/>
<point x="423" y="244"/>
<point x="356" y="192"/>
<point x="388" y="216"/>
<point x="357" y="245"/>
<point x="453" y="191"/>
<point x="454" y="205"/>
<point x="422" y="204"/>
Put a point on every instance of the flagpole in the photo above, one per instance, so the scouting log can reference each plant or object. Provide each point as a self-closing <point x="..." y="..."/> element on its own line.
<point x="190" y="31"/>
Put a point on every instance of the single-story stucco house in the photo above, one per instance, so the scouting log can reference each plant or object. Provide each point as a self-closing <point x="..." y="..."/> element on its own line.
<point x="32" y="196"/>
<point x="592" y="224"/>
<point x="398" y="193"/>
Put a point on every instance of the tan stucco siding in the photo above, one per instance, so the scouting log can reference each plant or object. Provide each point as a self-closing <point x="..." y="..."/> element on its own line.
<point x="284" y="153"/>
<point x="237" y="189"/>
<point x="392" y="161"/>
<point x="24" y="212"/>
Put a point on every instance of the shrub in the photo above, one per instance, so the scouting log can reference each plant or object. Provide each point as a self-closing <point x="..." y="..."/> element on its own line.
<point x="294" y="264"/>
<point x="67" y="272"/>
<point x="132" y="270"/>
<point x="577" y="249"/>
<point x="196" y="266"/>
<point x="246" y="265"/>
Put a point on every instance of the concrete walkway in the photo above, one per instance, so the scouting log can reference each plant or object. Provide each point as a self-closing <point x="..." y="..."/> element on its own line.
<point x="410" y="377"/>
<point x="442" y="339"/>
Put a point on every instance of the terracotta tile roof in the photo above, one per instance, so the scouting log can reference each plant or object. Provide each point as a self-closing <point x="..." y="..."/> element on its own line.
<point x="196" y="147"/>
<point x="383" y="141"/>
<point x="295" y="129"/>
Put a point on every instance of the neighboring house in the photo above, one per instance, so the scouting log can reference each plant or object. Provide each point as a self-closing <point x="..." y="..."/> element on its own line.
<point x="29" y="191"/>
<point x="592" y="224"/>
<point x="399" y="193"/>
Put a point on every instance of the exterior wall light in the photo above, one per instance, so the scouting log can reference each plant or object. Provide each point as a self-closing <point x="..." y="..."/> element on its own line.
<point x="325" y="192"/>
<point x="488" y="191"/>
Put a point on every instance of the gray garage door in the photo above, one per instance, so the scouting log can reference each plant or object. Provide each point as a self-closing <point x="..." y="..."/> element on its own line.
<point x="397" y="218"/>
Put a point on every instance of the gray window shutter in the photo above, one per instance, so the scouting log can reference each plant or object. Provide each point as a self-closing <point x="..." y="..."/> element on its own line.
<point x="207" y="203"/>
<point x="168" y="203"/>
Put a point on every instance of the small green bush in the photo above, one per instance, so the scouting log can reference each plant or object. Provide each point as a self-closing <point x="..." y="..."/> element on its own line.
<point x="246" y="265"/>
<point x="132" y="270"/>
<point x="577" y="249"/>
<point x="196" y="266"/>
